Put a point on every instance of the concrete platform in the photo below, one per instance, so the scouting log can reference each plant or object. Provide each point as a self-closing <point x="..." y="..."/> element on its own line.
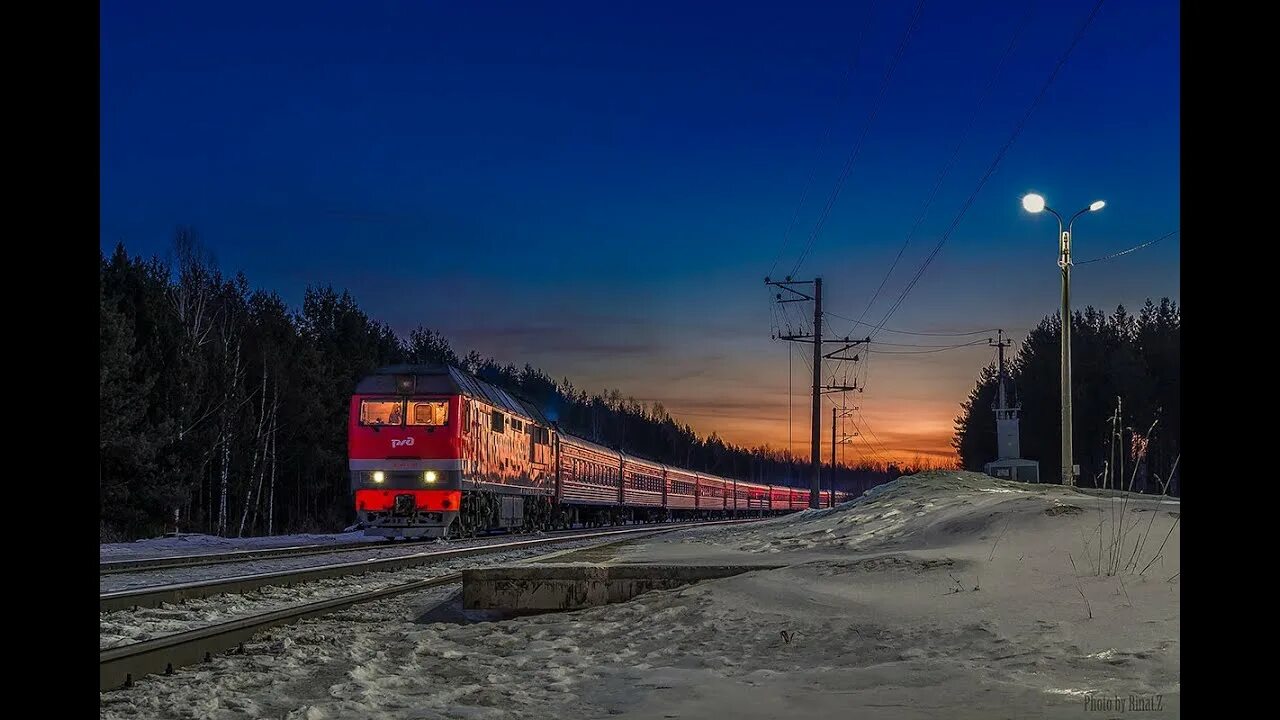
<point x="544" y="587"/>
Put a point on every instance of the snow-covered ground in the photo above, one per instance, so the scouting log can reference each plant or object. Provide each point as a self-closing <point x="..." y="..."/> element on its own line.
<point x="939" y="595"/>
<point x="197" y="544"/>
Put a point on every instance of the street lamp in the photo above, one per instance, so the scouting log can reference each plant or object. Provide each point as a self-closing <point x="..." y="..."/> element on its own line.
<point x="1034" y="203"/>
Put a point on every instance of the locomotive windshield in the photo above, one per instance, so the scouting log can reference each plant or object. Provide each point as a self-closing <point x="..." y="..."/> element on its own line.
<point x="381" y="412"/>
<point x="435" y="412"/>
<point x="392" y="412"/>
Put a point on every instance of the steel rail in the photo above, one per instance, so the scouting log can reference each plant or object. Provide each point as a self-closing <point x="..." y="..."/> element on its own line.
<point x="156" y="595"/>
<point x="112" y="567"/>
<point x="148" y="564"/>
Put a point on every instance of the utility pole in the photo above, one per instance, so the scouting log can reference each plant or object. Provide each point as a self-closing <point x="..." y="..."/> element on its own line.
<point x="844" y="440"/>
<point x="1001" y="344"/>
<point x="816" y="337"/>
<point x="815" y="495"/>
<point x="815" y="428"/>
<point x="814" y="492"/>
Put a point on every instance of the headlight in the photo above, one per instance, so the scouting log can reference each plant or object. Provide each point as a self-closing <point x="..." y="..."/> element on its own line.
<point x="430" y="476"/>
<point x="379" y="476"/>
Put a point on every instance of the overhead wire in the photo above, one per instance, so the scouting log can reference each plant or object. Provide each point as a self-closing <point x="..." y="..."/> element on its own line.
<point x="1126" y="252"/>
<point x="916" y="345"/>
<point x="863" y="437"/>
<point x="935" y="350"/>
<point x="955" y="154"/>
<point x="995" y="163"/>
<point x="867" y="426"/>
<point x="955" y="333"/>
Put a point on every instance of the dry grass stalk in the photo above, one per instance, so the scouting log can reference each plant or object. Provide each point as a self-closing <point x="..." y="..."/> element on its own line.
<point x="1079" y="587"/>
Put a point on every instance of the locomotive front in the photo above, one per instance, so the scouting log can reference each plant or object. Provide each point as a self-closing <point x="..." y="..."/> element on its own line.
<point x="404" y="450"/>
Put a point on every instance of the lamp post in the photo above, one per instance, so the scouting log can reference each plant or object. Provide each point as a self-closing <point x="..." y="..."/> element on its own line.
<point x="1034" y="203"/>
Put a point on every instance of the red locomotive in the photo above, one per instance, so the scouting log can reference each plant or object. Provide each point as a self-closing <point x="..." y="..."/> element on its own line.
<point x="437" y="452"/>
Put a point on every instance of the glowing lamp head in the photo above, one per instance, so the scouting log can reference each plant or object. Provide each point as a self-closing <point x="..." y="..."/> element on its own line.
<point x="379" y="476"/>
<point x="1097" y="205"/>
<point x="1033" y="203"/>
<point x="430" y="476"/>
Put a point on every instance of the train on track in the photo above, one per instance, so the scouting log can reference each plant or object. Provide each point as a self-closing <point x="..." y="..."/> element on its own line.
<point x="437" y="452"/>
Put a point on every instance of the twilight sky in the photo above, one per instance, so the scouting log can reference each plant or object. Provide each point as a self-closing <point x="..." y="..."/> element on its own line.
<point x="600" y="188"/>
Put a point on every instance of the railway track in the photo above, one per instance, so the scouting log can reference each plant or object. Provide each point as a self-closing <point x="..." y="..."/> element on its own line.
<point x="148" y="564"/>
<point x="131" y="565"/>
<point x="120" y="666"/>
<point x="155" y="595"/>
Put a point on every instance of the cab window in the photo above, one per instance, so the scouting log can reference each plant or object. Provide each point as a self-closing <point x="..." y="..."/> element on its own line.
<point x="381" y="412"/>
<point x="430" y="412"/>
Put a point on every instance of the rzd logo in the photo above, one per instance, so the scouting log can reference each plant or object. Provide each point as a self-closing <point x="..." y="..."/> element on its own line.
<point x="407" y="442"/>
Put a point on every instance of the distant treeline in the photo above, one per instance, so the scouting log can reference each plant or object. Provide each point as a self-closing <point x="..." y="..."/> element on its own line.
<point x="1119" y="362"/>
<point x="224" y="411"/>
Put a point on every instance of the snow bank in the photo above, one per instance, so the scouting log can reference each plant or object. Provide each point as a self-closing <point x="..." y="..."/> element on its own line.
<point x="939" y="595"/>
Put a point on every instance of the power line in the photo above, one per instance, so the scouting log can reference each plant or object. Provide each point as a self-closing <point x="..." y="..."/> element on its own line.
<point x="867" y="426"/>
<point x="913" y="345"/>
<point x="857" y="148"/>
<point x="826" y="136"/>
<point x="956" y="333"/>
<point x="955" y="153"/>
<point x="935" y="350"/>
<point x="861" y="436"/>
<point x="1126" y="252"/>
<point x="1044" y="89"/>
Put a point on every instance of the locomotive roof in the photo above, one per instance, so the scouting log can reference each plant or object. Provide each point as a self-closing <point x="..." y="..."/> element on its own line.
<point x="447" y="380"/>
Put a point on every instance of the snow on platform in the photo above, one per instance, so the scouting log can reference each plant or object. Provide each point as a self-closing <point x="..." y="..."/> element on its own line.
<point x="946" y="594"/>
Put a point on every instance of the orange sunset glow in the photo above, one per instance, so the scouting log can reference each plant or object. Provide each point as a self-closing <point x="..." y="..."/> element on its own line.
<point x="904" y="416"/>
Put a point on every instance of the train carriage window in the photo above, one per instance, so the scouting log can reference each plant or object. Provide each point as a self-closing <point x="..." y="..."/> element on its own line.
<point x="434" y="412"/>
<point x="497" y="421"/>
<point x="381" y="412"/>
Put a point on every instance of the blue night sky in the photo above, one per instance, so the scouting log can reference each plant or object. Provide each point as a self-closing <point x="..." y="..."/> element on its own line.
<point x="600" y="188"/>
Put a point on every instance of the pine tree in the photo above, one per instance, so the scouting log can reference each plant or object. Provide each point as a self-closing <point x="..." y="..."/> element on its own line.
<point x="975" y="439"/>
